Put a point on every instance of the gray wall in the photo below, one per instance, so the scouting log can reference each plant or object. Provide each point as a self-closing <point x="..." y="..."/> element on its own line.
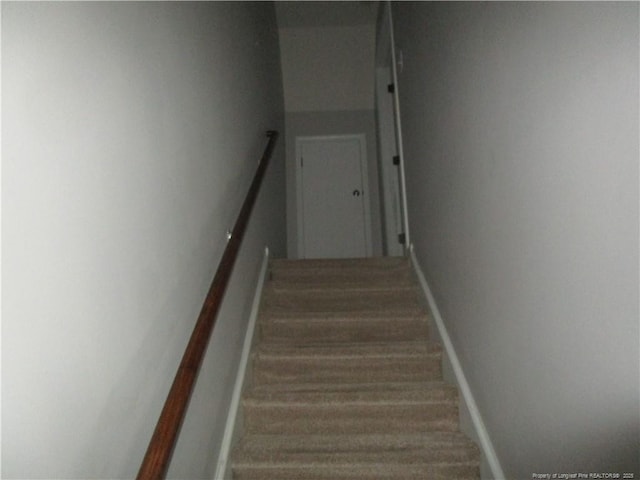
<point x="327" y="68"/>
<point x="520" y="125"/>
<point x="328" y="76"/>
<point x="131" y="132"/>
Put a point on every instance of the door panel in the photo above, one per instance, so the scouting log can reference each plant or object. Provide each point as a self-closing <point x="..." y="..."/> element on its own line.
<point x="333" y="200"/>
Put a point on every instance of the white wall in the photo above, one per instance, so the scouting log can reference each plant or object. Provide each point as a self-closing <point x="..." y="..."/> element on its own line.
<point x="520" y="126"/>
<point x="130" y="134"/>
<point x="328" y="76"/>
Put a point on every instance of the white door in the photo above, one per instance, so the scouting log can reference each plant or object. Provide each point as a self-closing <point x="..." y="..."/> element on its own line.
<point x="333" y="214"/>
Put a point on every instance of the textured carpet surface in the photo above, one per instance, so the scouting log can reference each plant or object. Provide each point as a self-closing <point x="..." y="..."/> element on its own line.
<point x="345" y="382"/>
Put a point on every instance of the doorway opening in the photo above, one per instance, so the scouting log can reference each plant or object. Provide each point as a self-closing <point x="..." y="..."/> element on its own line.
<point x="334" y="220"/>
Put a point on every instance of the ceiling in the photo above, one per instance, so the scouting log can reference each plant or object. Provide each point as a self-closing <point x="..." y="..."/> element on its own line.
<point x="291" y="14"/>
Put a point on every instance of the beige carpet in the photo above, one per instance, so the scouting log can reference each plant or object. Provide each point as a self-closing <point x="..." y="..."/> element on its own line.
<point x="345" y="382"/>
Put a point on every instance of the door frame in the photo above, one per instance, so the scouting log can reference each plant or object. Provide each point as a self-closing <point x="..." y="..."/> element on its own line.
<point x="391" y="202"/>
<point x="387" y="62"/>
<point x="364" y="173"/>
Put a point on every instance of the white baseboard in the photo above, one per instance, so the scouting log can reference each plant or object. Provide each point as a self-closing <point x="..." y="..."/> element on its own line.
<point x="468" y="403"/>
<point x="222" y="470"/>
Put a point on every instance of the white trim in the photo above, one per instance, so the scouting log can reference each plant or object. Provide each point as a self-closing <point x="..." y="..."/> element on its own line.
<point x="480" y="429"/>
<point x="234" y="406"/>
<point x="396" y="97"/>
<point x="391" y="211"/>
<point x="364" y="174"/>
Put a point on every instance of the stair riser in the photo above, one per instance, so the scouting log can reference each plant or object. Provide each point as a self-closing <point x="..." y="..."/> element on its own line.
<point x="353" y="419"/>
<point x="358" y="370"/>
<point x="343" y="331"/>
<point x="358" y="472"/>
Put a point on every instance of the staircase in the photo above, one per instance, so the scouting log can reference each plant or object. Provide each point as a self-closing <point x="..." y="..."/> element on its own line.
<point x="345" y="382"/>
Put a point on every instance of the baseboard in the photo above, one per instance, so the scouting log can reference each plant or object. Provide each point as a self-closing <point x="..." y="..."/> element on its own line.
<point x="470" y="415"/>
<point x="223" y="471"/>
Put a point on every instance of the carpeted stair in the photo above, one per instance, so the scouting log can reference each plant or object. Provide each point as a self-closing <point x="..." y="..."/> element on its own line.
<point x="345" y="382"/>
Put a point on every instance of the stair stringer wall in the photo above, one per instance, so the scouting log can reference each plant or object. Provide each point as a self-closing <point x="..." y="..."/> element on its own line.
<point x="471" y="422"/>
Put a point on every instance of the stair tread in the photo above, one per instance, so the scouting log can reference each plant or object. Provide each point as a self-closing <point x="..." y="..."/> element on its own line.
<point x="342" y="329"/>
<point x="357" y="448"/>
<point x="314" y="442"/>
<point x="282" y="310"/>
<point x="347" y="349"/>
<point x="333" y="289"/>
<point x="401" y="302"/>
<point x="372" y="471"/>
<point x="375" y="316"/>
<point x="358" y="472"/>
<point x="393" y="281"/>
<point x="309" y="264"/>
<point x="331" y="393"/>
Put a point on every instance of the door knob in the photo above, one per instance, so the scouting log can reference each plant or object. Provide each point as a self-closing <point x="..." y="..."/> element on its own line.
<point x="356" y="193"/>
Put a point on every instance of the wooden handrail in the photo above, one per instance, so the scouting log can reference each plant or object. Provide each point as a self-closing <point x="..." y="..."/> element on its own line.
<point x="156" y="460"/>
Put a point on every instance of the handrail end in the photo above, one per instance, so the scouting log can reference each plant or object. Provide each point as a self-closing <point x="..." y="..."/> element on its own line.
<point x="272" y="133"/>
